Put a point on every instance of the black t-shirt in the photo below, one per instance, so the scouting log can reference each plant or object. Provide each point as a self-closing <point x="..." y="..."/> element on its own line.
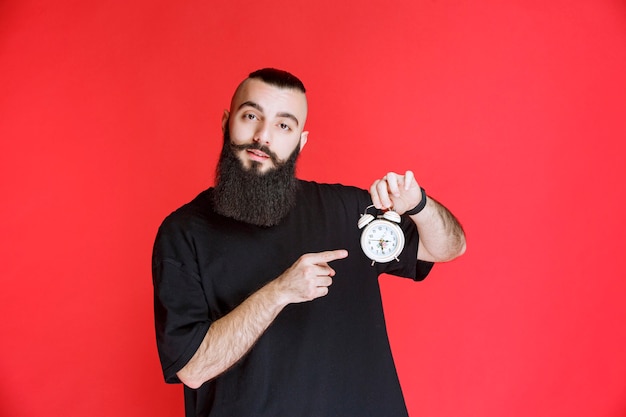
<point x="326" y="357"/>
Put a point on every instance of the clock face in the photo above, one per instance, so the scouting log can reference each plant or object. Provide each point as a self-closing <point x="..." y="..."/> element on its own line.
<point x="382" y="241"/>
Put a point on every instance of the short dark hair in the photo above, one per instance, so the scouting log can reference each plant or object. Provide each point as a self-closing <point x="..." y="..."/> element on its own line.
<point x="278" y="78"/>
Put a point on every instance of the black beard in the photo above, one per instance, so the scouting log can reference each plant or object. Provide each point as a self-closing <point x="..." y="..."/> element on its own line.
<point x="250" y="196"/>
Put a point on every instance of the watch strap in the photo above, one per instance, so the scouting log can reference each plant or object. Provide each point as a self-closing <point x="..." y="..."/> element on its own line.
<point x="420" y="206"/>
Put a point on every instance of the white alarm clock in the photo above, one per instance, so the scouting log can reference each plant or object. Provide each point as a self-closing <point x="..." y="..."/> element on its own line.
<point x="382" y="239"/>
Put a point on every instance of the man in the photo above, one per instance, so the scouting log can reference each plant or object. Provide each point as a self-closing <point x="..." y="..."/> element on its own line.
<point x="246" y="317"/>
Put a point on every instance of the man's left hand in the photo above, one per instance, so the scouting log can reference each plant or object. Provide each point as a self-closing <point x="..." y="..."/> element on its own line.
<point x="397" y="192"/>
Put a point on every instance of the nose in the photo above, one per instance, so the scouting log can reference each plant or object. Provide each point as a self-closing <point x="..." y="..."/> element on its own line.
<point x="262" y="134"/>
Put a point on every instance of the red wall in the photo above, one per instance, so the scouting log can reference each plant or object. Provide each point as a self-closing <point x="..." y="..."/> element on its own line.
<point x="512" y="113"/>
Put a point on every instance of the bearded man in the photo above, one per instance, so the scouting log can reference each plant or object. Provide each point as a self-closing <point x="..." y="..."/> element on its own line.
<point x="245" y="317"/>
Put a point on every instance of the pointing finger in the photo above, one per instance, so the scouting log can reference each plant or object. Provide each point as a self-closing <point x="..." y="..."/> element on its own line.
<point x="328" y="256"/>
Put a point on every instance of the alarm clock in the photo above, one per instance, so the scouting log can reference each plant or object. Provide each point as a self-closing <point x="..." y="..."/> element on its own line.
<point x="382" y="239"/>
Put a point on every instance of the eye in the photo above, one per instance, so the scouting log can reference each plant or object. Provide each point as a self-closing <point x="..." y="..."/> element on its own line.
<point x="250" y="116"/>
<point x="284" y="126"/>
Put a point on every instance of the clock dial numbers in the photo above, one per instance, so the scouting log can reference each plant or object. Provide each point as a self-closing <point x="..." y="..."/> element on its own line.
<point x="381" y="240"/>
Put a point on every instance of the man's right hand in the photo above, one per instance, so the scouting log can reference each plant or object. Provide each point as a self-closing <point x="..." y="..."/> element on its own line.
<point x="229" y="338"/>
<point x="309" y="277"/>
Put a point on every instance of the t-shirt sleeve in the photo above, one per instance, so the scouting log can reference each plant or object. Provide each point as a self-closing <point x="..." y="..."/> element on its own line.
<point x="422" y="269"/>
<point x="180" y="308"/>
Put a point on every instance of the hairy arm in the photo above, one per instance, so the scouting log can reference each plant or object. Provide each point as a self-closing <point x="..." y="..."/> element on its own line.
<point x="231" y="337"/>
<point x="441" y="235"/>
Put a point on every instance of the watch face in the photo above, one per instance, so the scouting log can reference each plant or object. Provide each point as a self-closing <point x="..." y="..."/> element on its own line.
<point x="382" y="241"/>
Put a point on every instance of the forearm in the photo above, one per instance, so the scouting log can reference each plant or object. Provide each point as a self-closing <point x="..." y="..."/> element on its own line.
<point x="231" y="337"/>
<point x="441" y="235"/>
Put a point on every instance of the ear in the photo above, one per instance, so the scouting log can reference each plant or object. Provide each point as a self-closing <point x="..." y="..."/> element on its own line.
<point x="304" y="136"/>
<point x="225" y="118"/>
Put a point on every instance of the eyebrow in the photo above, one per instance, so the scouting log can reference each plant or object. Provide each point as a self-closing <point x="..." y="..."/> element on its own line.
<point x="259" y="108"/>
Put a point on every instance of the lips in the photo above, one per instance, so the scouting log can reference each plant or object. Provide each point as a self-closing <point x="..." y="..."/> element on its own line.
<point x="257" y="154"/>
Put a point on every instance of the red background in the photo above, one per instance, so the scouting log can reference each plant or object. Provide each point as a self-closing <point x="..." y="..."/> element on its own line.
<point x="511" y="113"/>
